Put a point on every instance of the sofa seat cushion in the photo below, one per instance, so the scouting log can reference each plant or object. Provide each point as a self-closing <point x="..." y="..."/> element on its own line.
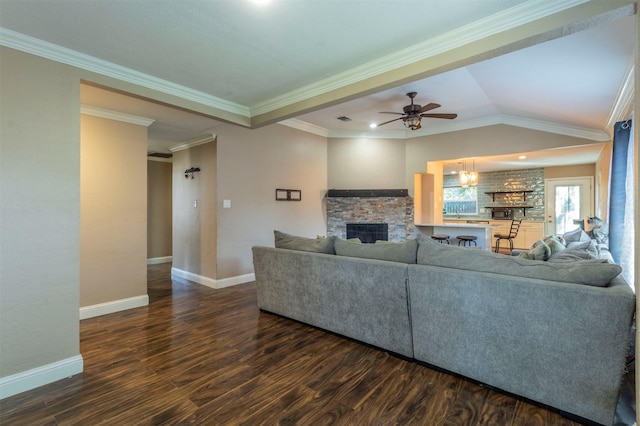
<point x="315" y="245"/>
<point x="403" y="252"/>
<point x="590" y="272"/>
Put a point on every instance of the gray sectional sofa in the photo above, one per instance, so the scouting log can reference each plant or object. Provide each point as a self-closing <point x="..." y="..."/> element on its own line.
<point x="555" y="334"/>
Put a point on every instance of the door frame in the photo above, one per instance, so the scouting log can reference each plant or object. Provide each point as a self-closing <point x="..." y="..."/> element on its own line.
<point x="549" y="196"/>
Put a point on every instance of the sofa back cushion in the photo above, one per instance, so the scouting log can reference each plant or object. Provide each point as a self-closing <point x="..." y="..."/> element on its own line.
<point x="590" y="272"/>
<point x="315" y="245"/>
<point x="403" y="252"/>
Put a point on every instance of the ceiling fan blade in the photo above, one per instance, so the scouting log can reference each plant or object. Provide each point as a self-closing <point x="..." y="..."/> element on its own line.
<point x="387" y="122"/>
<point x="429" y="107"/>
<point x="387" y="112"/>
<point x="447" y="116"/>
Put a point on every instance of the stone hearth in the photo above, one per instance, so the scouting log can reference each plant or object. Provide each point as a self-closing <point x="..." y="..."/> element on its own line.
<point x="391" y="206"/>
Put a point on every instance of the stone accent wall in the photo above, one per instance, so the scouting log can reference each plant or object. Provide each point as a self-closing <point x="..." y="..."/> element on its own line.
<point x="397" y="212"/>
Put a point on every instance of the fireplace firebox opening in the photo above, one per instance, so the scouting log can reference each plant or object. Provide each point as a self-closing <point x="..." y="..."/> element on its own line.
<point x="368" y="232"/>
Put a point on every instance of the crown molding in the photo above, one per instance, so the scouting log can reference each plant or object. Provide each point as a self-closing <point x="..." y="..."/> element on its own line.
<point x="160" y="159"/>
<point x="193" y="142"/>
<point x="623" y="104"/>
<point x="34" y="46"/>
<point x="305" y="127"/>
<point x="387" y="134"/>
<point x="511" y="18"/>
<point x="557" y="128"/>
<point x="115" y="115"/>
<point x="510" y="120"/>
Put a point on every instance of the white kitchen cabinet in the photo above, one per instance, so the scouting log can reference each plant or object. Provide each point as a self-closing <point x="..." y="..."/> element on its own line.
<point x="529" y="233"/>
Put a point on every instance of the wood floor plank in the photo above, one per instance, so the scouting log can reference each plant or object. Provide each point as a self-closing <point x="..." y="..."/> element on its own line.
<point x="527" y="414"/>
<point x="498" y="409"/>
<point x="201" y="356"/>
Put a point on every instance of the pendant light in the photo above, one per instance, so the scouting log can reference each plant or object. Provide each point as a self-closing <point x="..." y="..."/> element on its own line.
<point x="467" y="178"/>
<point x="473" y="175"/>
<point x="463" y="176"/>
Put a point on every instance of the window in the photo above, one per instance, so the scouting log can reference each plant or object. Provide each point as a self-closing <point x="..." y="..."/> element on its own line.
<point x="459" y="200"/>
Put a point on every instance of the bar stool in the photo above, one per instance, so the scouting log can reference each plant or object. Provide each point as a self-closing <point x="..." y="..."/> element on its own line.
<point x="513" y="232"/>
<point x="467" y="239"/>
<point x="441" y="238"/>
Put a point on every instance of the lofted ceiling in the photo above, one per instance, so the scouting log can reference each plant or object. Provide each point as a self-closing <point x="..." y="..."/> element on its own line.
<point x="305" y="63"/>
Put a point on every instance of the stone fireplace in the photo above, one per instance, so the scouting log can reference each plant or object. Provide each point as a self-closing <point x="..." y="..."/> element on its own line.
<point x="390" y="207"/>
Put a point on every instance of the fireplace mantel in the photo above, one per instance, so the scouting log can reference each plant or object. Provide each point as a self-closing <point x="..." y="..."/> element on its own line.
<point x="363" y="193"/>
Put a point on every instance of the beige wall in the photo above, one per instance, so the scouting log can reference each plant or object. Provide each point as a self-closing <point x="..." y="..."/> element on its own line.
<point x="578" y="170"/>
<point x="603" y="171"/>
<point x="159" y="212"/>
<point x="390" y="163"/>
<point x="366" y="163"/>
<point x="256" y="162"/>
<point x="39" y="213"/>
<point x="194" y="225"/>
<point x="113" y="231"/>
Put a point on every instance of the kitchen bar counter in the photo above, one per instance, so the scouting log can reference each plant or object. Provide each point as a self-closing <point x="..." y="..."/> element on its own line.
<point x="481" y="230"/>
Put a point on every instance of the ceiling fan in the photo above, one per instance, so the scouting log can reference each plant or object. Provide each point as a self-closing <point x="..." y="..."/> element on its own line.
<point x="413" y="114"/>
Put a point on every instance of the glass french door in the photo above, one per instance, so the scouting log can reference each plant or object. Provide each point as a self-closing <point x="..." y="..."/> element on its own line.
<point x="566" y="201"/>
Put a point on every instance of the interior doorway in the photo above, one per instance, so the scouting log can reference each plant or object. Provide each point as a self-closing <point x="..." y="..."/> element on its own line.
<point x="567" y="200"/>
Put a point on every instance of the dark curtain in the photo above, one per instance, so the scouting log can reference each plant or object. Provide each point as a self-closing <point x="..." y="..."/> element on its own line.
<point x="618" y="191"/>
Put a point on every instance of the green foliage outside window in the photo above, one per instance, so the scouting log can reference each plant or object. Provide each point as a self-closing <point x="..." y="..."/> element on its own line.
<point x="460" y="201"/>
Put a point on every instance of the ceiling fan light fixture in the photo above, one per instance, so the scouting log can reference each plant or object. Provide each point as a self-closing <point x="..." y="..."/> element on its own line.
<point x="412" y="123"/>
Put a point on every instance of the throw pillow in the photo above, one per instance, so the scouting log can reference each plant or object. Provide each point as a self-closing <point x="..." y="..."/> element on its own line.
<point x="577" y="235"/>
<point x="577" y="251"/>
<point x="403" y="252"/>
<point x="539" y="251"/>
<point x="555" y="243"/>
<point x="593" y="272"/>
<point x="599" y="230"/>
<point x="315" y="245"/>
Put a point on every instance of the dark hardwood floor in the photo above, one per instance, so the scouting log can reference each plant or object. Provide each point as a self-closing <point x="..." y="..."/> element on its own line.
<point x="208" y="357"/>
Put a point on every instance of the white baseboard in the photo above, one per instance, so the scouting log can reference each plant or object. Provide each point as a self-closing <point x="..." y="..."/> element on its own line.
<point x="40" y="376"/>
<point x="113" y="306"/>
<point x="210" y="282"/>
<point x="238" y="279"/>
<point x="157" y="260"/>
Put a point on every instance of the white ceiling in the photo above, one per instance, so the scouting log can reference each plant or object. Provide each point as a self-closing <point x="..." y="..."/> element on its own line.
<point x="248" y="60"/>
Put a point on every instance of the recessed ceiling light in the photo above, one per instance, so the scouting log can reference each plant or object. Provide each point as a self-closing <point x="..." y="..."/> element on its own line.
<point x="373" y="125"/>
<point x="522" y="157"/>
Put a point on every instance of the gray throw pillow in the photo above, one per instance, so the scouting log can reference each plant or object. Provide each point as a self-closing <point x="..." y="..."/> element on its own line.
<point x="595" y="273"/>
<point x="315" y="245"/>
<point x="539" y="251"/>
<point x="577" y="251"/>
<point x="403" y="252"/>
<point x="576" y="236"/>
<point x="555" y="244"/>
